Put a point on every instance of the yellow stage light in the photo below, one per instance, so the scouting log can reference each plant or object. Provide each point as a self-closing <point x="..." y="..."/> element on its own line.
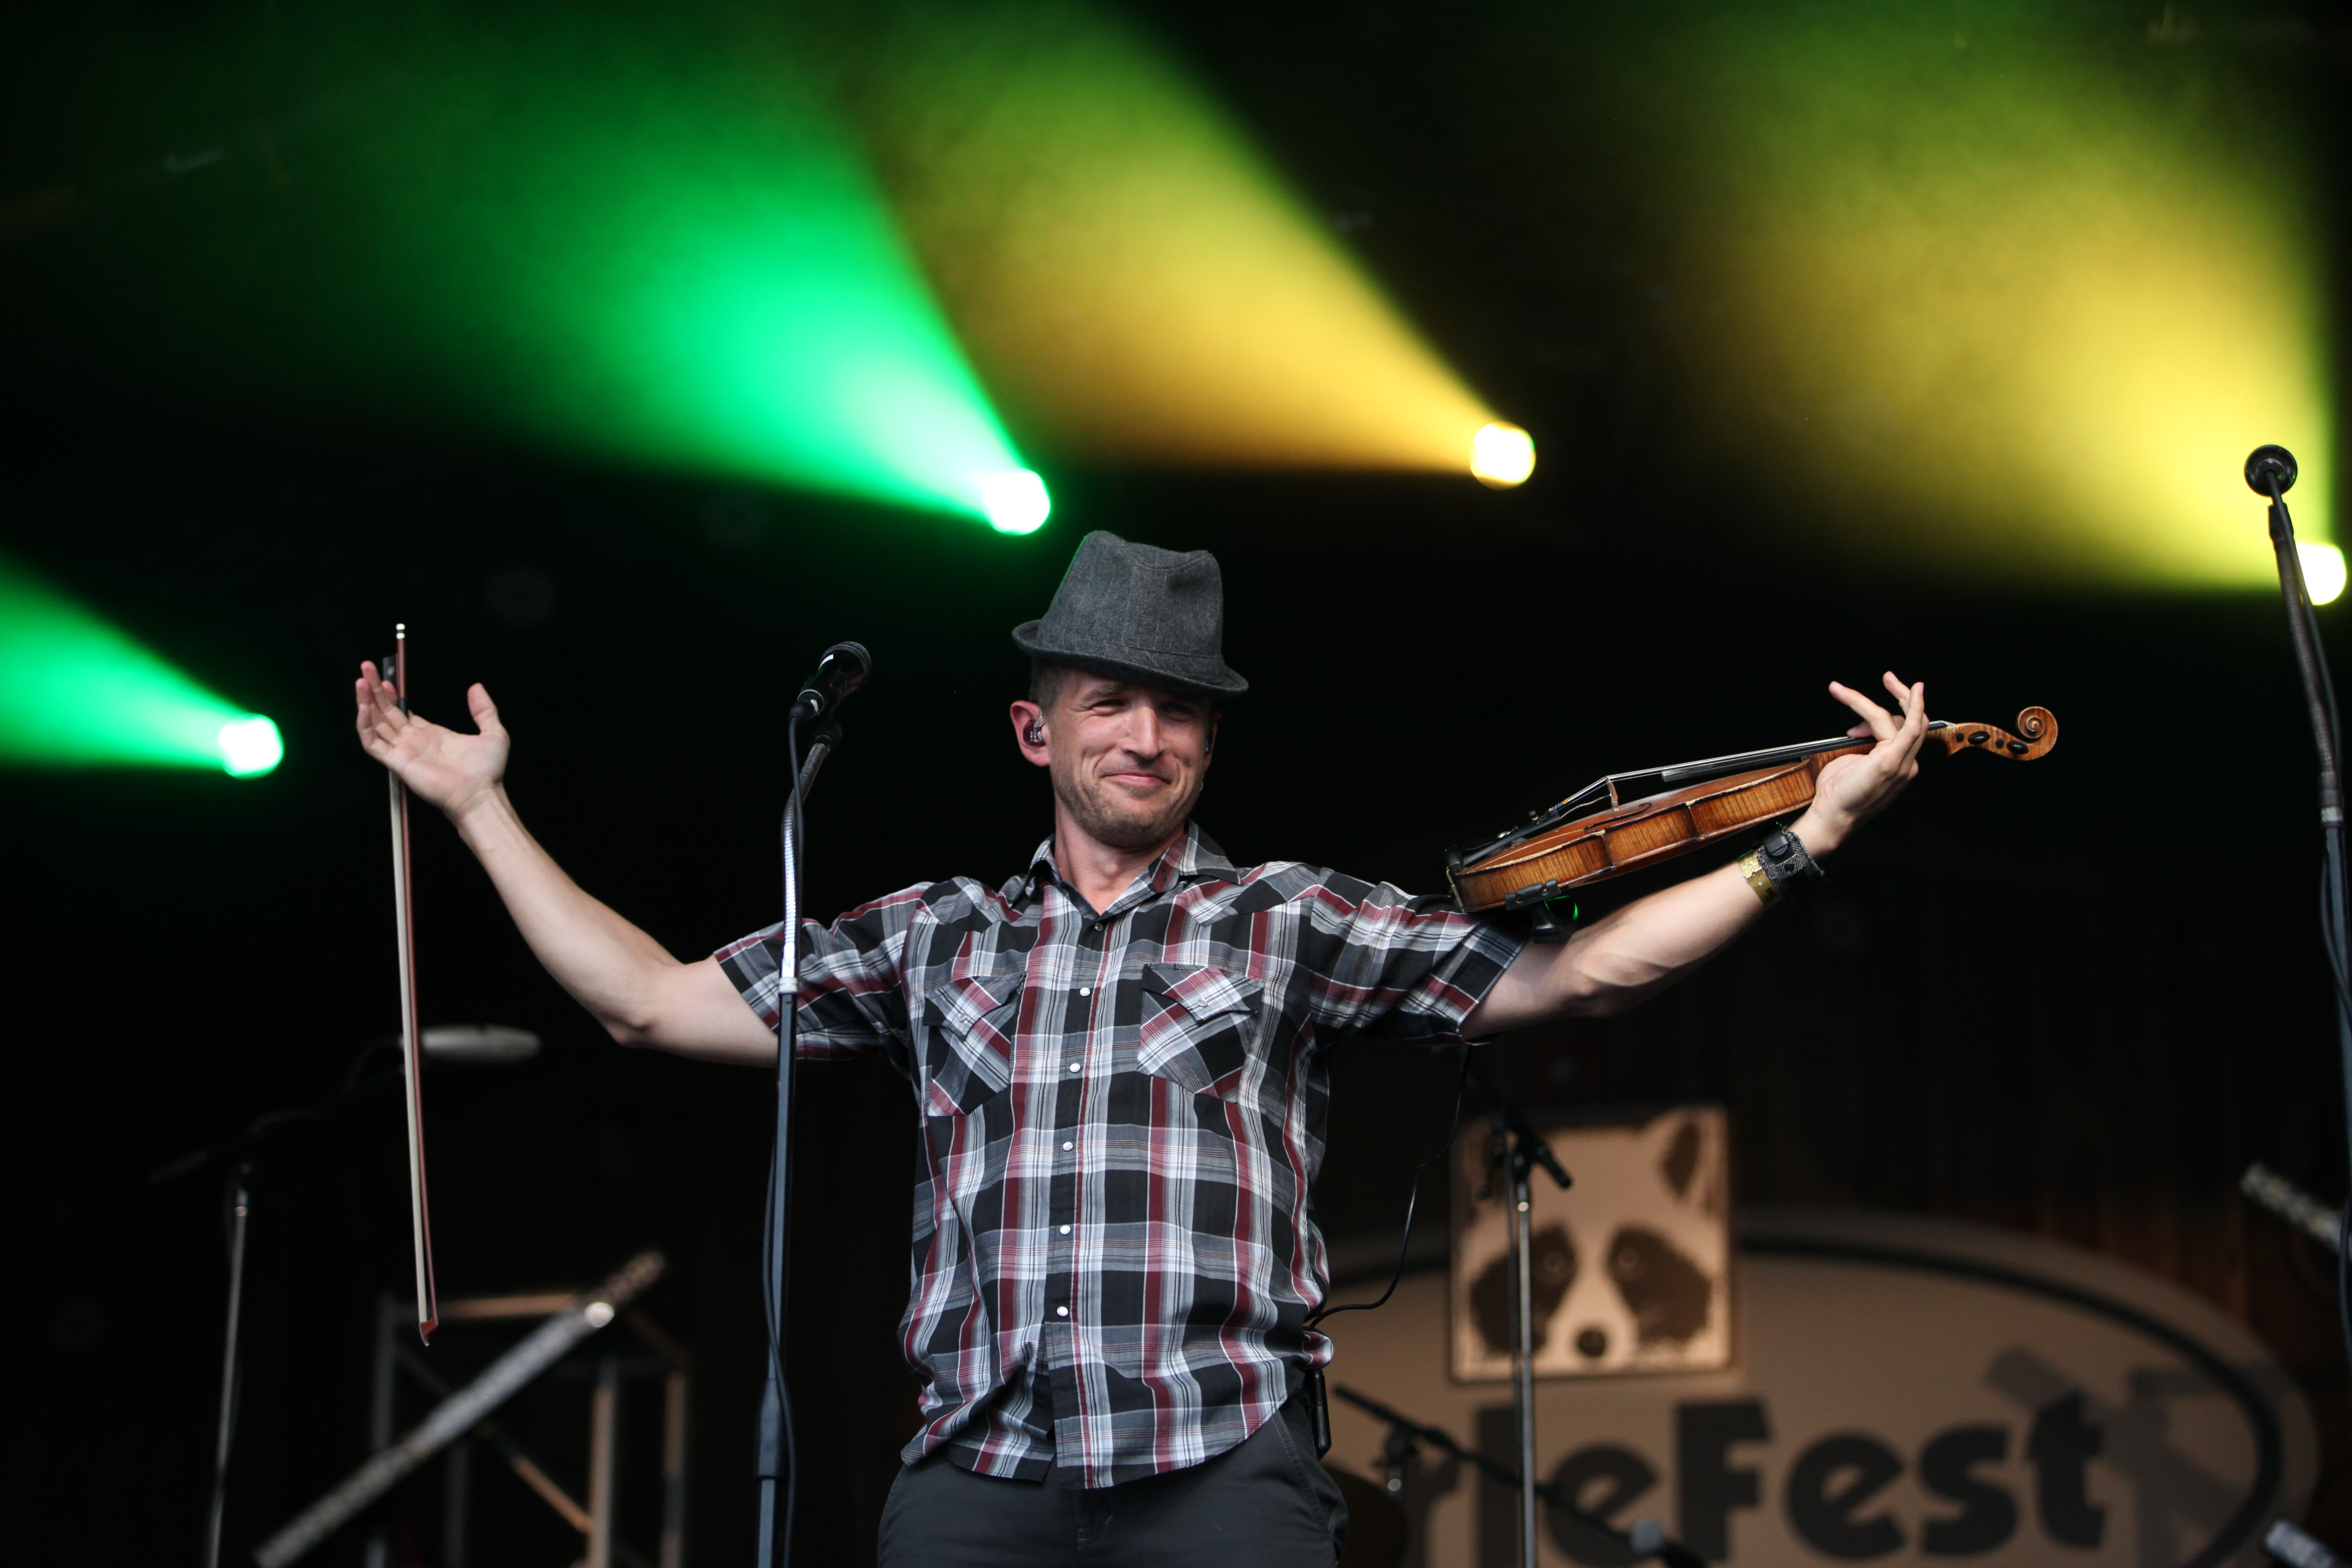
<point x="1129" y="277"/>
<point x="2323" y="571"/>
<point x="1502" y="456"/>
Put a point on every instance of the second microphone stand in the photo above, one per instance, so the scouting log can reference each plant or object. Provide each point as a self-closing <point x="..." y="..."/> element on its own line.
<point x="2270" y="473"/>
<point x="1519" y="1150"/>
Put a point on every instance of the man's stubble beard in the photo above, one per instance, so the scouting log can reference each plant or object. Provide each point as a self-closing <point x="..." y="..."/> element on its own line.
<point x="1105" y="822"/>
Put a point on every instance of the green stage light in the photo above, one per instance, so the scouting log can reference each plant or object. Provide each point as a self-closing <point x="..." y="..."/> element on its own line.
<point x="251" y="746"/>
<point x="74" y="691"/>
<point x="661" y="251"/>
<point x="1015" y="501"/>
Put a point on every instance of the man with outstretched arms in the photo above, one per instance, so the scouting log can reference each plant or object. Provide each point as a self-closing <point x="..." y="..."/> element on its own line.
<point x="1119" y="1062"/>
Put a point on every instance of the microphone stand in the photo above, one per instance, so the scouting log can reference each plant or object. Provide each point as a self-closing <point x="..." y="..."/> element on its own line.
<point x="1523" y="1149"/>
<point x="778" y="1459"/>
<point x="2270" y="472"/>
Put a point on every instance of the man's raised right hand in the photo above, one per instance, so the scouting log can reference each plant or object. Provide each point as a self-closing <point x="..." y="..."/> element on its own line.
<point x="453" y="772"/>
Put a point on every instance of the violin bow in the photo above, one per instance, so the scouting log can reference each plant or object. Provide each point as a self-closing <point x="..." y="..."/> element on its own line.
<point x="412" y="1043"/>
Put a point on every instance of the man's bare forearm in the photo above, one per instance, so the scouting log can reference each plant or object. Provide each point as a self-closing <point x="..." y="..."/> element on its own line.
<point x="611" y="967"/>
<point x="1623" y="958"/>
<point x="633" y="985"/>
<point x="1631" y="955"/>
<point x="1647" y="946"/>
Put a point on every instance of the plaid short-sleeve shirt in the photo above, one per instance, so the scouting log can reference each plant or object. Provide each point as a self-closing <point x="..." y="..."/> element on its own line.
<point x="1122" y="1112"/>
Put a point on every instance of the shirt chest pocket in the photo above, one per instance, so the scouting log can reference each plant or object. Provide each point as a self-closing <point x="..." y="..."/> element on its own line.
<point x="968" y="1034"/>
<point x="1198" y="1029"/>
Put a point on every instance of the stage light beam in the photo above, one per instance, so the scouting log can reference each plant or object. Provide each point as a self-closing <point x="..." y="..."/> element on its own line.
<point x="77" y="692"/>
<point x="1502" y="456"/>
<point x="622" y="242"/>
<point x="2015" y="311"/>
<point x="1129" y="273"/>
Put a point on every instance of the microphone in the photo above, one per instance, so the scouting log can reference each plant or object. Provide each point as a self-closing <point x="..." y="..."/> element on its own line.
<point x="2266" y="466"/>
<point x="842" y="670"/>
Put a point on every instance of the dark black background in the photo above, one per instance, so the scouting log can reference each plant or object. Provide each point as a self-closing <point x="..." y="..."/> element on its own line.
<point x="2074" y="997"/>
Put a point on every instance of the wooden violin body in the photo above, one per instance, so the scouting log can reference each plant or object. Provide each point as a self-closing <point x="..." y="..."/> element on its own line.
<point x="1597" y="833"/>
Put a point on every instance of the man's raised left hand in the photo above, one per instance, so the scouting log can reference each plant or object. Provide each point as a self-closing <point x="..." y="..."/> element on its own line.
<point x="1851" y="790"/>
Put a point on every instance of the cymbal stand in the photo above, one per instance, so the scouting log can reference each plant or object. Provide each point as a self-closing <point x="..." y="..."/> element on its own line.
<point x="240" y="1207"/>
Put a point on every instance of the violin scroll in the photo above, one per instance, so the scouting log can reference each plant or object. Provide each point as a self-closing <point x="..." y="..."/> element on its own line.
<point x="2037" y="731"/>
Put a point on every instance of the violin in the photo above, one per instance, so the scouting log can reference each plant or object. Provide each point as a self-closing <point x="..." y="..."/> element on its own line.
<point x="1628" y="821"/>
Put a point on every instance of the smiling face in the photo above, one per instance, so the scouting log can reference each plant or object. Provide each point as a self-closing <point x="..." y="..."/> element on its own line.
<point x="1127" y="761"/>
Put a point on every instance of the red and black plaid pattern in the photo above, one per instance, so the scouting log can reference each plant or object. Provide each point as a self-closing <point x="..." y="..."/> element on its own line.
<point x="1122" y="1112"/>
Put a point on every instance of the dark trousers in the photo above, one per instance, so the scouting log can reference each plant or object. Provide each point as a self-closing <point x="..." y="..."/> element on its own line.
<point x="1266" y="1503"/>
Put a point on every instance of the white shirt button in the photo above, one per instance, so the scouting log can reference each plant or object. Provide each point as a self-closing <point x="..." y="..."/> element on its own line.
<point x="1061" y="1311"/>
<point x="1073" y="1067"/>
<point x="1086" y="991"/>
<point x="1069" y="1145"/>
<point x="1066" y="1230"/>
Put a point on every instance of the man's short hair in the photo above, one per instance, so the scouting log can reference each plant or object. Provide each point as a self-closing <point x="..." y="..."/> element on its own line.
<point x="1048" y="679"/>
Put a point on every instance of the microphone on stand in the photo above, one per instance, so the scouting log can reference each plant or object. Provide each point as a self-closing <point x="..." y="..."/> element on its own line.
<point x="842" y="670"/>
<point x="476" y="1044"/>
<point x="2268" y="467"/>
<point x="482" y="1045"/>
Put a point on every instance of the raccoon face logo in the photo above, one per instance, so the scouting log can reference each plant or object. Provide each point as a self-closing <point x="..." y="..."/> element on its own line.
<point x="1628" y="1264"/>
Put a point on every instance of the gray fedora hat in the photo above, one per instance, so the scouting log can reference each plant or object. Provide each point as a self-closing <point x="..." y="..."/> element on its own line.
<point x="1137" y="613"/>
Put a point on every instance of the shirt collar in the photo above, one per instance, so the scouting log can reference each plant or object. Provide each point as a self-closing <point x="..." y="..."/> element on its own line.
<point x="1193" y="855"/>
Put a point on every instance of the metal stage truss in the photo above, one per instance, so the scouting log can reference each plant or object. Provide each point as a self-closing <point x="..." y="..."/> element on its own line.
<point x="460" y="1422"/>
